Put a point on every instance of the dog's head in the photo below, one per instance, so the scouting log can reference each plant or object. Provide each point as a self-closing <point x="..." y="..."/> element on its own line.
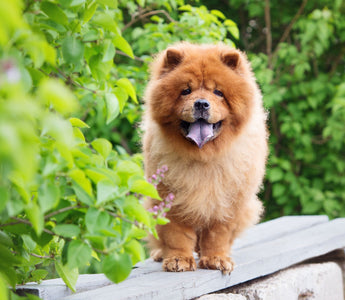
<point x="201" y="93"/>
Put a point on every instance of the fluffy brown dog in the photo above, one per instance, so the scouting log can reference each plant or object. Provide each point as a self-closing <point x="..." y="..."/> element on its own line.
<point x="204" y="120"/>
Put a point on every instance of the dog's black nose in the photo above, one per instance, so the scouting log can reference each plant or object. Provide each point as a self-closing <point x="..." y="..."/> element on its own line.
<point x="202" y="105"/>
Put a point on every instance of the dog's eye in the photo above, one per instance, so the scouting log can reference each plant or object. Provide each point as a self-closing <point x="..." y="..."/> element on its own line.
<point x="218" y="93"/>
<point x="186" y="92"/>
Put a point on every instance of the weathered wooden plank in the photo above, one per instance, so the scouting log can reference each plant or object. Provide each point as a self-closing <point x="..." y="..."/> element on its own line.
<point x="252" y="262"/>
<point x="56" y="289"/>
<point x="262" y="232"/>
<point x="276" y="228"/>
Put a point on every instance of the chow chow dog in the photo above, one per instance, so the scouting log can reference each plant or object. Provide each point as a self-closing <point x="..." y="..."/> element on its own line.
<point x="205" y="121"/>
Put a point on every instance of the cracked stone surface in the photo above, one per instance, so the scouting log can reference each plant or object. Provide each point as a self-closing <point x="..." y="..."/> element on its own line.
<point x="321" y="281"/>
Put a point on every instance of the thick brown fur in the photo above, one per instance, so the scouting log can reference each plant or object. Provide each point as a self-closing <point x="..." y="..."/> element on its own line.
<point x="215" y="186"/>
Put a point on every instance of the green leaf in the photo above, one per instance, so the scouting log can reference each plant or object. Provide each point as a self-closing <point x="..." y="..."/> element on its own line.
<point x="121" y="96"/>
<point x="132" y="208"/>
<point x="69" y="276"/>
<point x="107" y="22"/>
<point x="185" y="7"/>
<point x="117" y="267"/>
<point x="79" y="177"/>
<point x="3" y="289"/>
<point x="78" y="134"/>
<point x="10" y="275"/>
<point x="54" y="12"/>
<point x="81" y="194"/>
<point x="275" y="174"/>
<point x="110" y="3"/>
<point x="278" y="190"/>
<point x="78" y="123"/>
<point x="72" y="3"/>
<point x="106" y="191"/>
<point x="232" y="28"/>
<point x="29" y="242"/>
<point x="143" y="187"/>
<point x="67" y="230"/>
<point x="162" y="221"/>
<point x="72" y="50"/>
<point x="55" y="93"/>
<point x="102" y="146"/>
<point x="108" y="51"/>
<point x="128" y="87"/>
<point x="7" y="257"/>
<point x="39" y="274"/>
<point x="121" y="44"/>
<point x="113" y="108"/>
<point x="79" y="254"/>
<point x="4" y="197"/>
<point x="35" y="216"/>
<point x="218" y="13"/>
<point x="96" y="220"/>
<point x="97" y="174"/>
<point x="99" y="69"/>
<point x="136" y="250"/>
<point x="5" y="239"/>
<point x="48" y="196"/>
<point x="90" y="11"/>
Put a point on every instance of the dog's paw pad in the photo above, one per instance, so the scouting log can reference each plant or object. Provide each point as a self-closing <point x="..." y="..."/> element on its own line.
<point x="179" y="264"/>
<point x="222" y="263"/>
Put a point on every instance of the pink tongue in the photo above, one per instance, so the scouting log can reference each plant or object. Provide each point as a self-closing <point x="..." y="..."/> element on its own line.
<point x="200" y="132"/>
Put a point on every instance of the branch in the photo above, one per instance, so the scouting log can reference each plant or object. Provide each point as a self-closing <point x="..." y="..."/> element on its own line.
<point x="114" y="215"/>
<point x="123" y="142"/>
<point x="23" y="221"/>
<point x="71" y="81"/>
<point x="154" y="12"/>
<point x="289" y="27"/>
<point x="61" y="210"/>
<point x="268" y="33"/>
<point x="336" y="62"/>
<point x="41" y="256"/>
<point x="135" y="57"/>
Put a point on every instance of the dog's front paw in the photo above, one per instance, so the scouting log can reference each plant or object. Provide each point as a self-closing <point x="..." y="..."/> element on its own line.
<point x="222" y="263"/>
<point x="179" y="264"/>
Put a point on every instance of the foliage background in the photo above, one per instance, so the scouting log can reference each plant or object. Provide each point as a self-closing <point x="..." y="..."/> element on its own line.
<point x="72" y="75"/>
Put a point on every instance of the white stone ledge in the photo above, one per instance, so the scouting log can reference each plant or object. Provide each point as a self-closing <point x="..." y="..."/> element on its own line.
<point x="321" y="281"/>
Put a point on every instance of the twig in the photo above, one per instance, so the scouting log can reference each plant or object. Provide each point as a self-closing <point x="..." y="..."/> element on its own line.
<point x="23" y="221"/>
<point x="336" y="62"/>
<point x="71" y="81"/>
<point x="154" y="12"/>
<point x="289" y="27"/>
<point x="114" y="215"/>
<point x="276" y="130"/>
<point x="41" y="256"/>
<point x="123" y="142"/>
<point x="61" y="210"/>
<point x="268" y="33"/>
<point x="135" y="57"/>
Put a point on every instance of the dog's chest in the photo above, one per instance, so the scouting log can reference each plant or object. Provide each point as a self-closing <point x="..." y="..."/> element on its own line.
<point x="203" y="189"/>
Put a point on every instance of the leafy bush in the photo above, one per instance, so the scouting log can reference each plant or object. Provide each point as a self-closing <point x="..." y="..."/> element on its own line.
<point x="299" y="62"/>
<point x="71" y="195"/>
<point x="72" y="74"/>
<point x="65" y="201"/>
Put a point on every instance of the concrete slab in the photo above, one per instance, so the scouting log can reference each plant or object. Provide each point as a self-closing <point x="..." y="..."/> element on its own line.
<point x="323" y="281"/>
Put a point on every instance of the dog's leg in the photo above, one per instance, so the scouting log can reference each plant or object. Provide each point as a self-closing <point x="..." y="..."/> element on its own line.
<point x="177" y="242"/>
<point x="215" y="244"/>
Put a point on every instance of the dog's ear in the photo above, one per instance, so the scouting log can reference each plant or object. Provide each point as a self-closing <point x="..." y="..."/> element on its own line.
<point x="232" y="59"/>
<point x="173" y="57"/>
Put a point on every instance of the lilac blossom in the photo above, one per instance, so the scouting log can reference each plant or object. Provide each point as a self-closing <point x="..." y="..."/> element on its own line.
<point x="165" y="205"/>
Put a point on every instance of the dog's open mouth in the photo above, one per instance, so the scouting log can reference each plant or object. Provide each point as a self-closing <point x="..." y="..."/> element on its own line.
<point x="200" y="132"/>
